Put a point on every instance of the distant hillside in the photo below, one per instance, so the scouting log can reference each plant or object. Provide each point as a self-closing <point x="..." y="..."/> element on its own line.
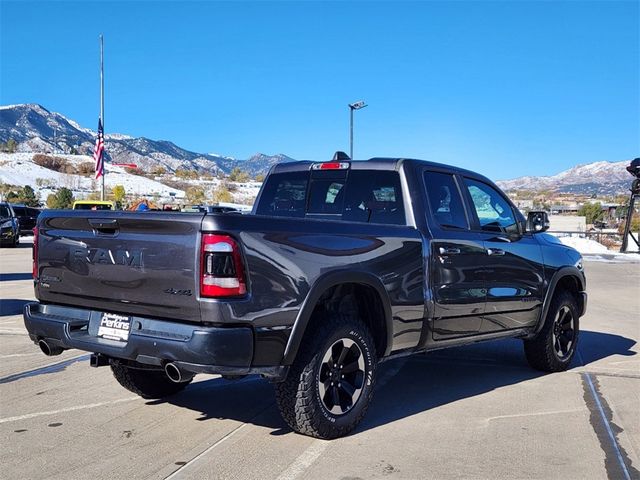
<point x="601" y="178"/>
<point x="33" y="127"/>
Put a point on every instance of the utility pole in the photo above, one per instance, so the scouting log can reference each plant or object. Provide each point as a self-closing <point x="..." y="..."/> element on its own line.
<point x="352" y="107"/>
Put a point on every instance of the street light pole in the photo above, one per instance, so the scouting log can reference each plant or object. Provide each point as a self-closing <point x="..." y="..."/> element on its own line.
<point x="352" y="107"/>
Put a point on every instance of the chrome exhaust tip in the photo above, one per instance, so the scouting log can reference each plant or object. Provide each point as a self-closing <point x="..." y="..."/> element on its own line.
<point x="176" y="374"/>
<point x="48" y="349"/>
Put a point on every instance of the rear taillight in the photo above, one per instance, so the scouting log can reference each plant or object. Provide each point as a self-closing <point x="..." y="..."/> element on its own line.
<point x="34" y="253"/>
<point x="221" y="269"/>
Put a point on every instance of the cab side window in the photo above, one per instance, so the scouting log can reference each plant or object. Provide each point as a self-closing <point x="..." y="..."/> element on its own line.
<point x="493" y="211"/>
<point x="284" y="195"/>
<point x="445" y="201"/>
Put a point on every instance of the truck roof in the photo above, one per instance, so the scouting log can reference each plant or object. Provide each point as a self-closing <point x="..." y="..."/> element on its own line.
<point x="377" y="163"/>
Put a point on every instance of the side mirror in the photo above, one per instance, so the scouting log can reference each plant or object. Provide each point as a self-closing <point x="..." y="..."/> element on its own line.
<point x="537" y="222"/>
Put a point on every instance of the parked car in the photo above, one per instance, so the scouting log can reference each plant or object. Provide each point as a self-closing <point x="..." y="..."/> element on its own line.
<point x="9" y="226"/>
<point x="93" y="205"/>
<point x="340" y="266"/>
<point x="27" y="217"/>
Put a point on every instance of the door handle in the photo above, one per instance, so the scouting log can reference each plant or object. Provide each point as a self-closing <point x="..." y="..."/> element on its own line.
<point x="500" y="239"/>
<point x="495" y="251"/>
<point x="103" y="226"/>
<point x="449" y="251"/>
<point x="103" y="222"/>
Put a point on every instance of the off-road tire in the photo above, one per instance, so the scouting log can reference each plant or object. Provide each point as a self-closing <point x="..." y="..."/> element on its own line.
<point x="149" y="384"/>
<point x="540" y="351"/>
<point x="298" y="397"/>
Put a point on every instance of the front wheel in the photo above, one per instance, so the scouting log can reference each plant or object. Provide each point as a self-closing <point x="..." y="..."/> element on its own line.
<point x="554" y="347"/>
<point x="329" y="386"/>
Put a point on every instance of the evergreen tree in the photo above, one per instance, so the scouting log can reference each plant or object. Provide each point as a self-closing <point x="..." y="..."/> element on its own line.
<point x="11" y="145"/>
<point x="63" y="198"/>
<point x="29" y="197"/>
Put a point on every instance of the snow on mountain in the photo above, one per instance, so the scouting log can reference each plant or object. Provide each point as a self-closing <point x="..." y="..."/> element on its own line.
<point x="117" y="136"/>
<point x="34" y="127"/>
<point x="598" y="177"/>
<point x="19" y="169"/>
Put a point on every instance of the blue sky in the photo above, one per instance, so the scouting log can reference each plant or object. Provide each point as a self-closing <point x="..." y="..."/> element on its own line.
<point x="506" y="88"/>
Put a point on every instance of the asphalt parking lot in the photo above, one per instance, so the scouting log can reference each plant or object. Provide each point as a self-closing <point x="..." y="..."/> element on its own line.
<point x="473" y="412"/>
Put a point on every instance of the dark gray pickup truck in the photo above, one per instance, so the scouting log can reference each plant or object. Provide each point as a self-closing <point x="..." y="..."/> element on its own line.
<point x="340" y="266"/>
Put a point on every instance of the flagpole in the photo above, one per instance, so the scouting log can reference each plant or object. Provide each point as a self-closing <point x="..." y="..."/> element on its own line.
<point x="102" y="106"/>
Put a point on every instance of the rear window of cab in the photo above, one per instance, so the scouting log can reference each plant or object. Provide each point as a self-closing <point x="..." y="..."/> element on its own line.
<point x="364" y="196"/>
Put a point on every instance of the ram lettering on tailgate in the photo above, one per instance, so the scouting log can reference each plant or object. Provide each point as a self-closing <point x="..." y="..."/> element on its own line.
<point x="105" y="256"/>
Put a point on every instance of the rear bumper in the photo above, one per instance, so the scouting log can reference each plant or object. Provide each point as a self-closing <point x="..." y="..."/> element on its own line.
<point x="194" y="348"/>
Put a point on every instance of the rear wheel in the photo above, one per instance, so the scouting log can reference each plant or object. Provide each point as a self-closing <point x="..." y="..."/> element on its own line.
<point x="329" y="386"/>
<point x="151" y="384"/>
<point x="554" y="347"/>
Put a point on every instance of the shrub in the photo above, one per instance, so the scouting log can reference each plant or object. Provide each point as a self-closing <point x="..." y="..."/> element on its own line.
<point x="86" y="169"/>
<point x="186" y="174"/>
<point x="57" y="164"/>
<point x="195" y="195"/>
<point x="134" y="171"/>
<point x="238" y="175"/>
<point x="222" y="194"/>
<point x="593" y="212"/>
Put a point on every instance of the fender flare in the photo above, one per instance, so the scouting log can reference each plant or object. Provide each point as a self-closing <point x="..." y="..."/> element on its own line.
<point x="324" y="283"/>
<point x="568" y="271"/>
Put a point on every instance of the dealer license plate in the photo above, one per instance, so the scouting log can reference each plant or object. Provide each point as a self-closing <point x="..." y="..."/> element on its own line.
<point x="114" y="327"/>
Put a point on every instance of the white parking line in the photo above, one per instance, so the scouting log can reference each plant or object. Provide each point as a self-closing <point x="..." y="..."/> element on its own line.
<point x="39" y="354"/>
<point x="533" y="414"/>
<point x="305" y="460"/>
<point x="181" y="472"/>
<point x="64" y="410"/>
<point x="13" y="331"/>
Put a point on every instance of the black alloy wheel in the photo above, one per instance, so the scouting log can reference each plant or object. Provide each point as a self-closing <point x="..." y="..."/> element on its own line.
<point x="341" y="376"/>
<point x="563" y="332"/>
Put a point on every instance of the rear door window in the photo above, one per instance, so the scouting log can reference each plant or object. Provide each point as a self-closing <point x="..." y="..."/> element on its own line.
<point x="374" y="197"/>
<point x="445" y="201"/>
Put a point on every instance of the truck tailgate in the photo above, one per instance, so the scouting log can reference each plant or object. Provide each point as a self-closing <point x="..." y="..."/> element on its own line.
<point x="139" y="263"/>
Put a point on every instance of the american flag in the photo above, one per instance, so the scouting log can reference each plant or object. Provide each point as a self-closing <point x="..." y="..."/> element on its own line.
<point x="98" y="152"/>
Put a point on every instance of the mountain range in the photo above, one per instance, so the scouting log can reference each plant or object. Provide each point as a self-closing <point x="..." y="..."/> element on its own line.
<point x="36" y="129"/>
<point x="599" y="178"/>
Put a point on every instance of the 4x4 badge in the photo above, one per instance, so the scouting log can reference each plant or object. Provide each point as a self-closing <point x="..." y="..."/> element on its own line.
<point x="173" y="291"/>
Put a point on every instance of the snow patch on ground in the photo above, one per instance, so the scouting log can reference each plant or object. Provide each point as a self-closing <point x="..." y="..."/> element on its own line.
<point x="584" y="245"/>
<point x="596" y="252"/>
<point x="19" y="169"/>
<point x="614" y="258"/>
